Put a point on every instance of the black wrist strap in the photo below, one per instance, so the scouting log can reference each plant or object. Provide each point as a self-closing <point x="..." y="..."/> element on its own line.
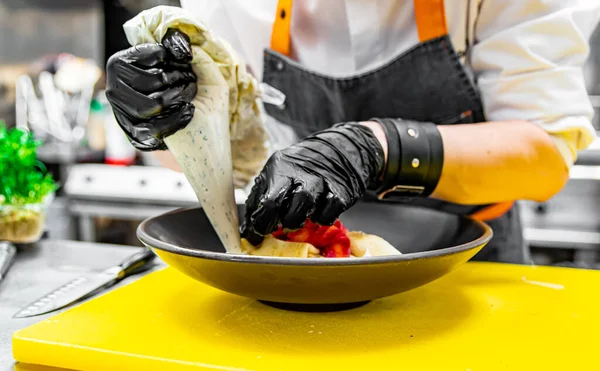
<point x="415" y="159"/>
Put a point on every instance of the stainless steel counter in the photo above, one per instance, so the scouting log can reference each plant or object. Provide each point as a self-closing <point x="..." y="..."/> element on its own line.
<point x="40" y="268"/>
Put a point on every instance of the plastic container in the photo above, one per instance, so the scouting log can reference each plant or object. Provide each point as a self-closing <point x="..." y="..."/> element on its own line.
<point x="24" y="223"/>
<point x="96" y="133"/>
<point x="118" y="149"/>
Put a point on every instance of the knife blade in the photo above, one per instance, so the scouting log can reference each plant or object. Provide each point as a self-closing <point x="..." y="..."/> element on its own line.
<point x="86" y="286"/>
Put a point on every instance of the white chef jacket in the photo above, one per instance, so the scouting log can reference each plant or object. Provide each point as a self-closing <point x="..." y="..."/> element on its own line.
<point x="525" y="56"/>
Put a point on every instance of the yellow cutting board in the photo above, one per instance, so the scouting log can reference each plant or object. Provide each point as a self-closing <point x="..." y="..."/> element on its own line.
<point x="483" y="316"/>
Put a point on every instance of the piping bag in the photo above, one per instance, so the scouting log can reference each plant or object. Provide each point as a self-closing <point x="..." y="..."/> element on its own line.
<point x="224" y="145"/>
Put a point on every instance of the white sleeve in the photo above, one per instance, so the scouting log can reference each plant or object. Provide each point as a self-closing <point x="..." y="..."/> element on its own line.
<point x="215" y="15"/>
<point x="528" y="62"/>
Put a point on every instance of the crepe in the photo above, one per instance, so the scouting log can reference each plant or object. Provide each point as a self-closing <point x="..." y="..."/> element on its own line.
<point x="361" y="245"/>
<point x="271" y="246"/>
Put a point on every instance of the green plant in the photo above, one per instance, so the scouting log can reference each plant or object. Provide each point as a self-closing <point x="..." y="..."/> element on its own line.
<point x="23" y="178"/>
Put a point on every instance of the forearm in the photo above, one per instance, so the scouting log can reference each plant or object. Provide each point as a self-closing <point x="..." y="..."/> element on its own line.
<point x="496" y="161"/>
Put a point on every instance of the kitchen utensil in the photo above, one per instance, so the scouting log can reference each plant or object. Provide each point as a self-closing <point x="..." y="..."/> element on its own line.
<point x="30" y="112"/>
<point x="483" y="316"/>
<point x="83" y="110"/>
<point x="22" y="92"/>
<point x="8" y="252"/>
<point x="433" y="243"/>
<point x="54" y="107"/>
<point x="85" y="286"/>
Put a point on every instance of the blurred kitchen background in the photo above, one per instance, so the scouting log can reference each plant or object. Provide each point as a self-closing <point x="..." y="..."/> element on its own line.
<point x="52" y="55"/>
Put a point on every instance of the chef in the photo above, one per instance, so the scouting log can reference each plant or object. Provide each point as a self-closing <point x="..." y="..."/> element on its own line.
<point x="462" y="106"/>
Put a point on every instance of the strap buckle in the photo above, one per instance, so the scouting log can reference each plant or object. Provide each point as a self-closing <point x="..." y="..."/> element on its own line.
<point x="406" y="191"/>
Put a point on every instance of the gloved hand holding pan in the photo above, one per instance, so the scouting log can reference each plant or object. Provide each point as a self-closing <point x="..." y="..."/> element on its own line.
<point x="307" y="236"/>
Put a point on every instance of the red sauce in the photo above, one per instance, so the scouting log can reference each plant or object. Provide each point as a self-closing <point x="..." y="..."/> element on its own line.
<point x="332" y="241"/>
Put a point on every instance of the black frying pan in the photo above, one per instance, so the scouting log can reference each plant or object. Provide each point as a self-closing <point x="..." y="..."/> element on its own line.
<point x="433" y="243"/>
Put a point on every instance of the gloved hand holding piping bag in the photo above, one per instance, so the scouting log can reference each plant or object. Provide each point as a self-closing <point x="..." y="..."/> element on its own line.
<point x="151" y="88"/>
<point x="189" y="93"/>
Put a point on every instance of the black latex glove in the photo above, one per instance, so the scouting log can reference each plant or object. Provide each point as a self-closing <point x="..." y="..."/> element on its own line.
<point x="150" y="88"/>
<point x="319" y="178"/>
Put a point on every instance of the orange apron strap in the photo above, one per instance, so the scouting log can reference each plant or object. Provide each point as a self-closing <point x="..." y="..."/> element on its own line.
<point x="280" y="36"/>
<point x="493" y="212"/>
<point x="430" y="16"/>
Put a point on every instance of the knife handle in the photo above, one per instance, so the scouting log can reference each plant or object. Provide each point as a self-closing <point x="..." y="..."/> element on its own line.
<point x="7" y="256"/>
<point x="137" y="262"/>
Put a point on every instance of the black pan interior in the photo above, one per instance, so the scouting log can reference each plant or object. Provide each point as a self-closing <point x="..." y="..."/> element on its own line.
<point x="408" y="228"/>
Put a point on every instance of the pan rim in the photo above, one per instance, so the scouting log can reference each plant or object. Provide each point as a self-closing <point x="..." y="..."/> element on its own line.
<point x="153" y="243"/>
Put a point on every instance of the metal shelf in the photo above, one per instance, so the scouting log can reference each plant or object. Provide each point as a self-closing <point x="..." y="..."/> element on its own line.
<point x="562" y="239"/>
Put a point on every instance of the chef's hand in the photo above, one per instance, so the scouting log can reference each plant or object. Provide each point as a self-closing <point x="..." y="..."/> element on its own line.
<point x="319" y="178"/>
<point x="150" y="88"/>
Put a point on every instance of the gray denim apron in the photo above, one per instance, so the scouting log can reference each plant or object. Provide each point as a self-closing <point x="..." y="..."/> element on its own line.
<point x="427" y="83"/>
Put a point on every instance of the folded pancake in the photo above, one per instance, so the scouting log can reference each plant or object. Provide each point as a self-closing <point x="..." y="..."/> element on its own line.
<point x="314" y="241"/>
<point x="271" y="246"/>
<point x="363" y="244"/>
